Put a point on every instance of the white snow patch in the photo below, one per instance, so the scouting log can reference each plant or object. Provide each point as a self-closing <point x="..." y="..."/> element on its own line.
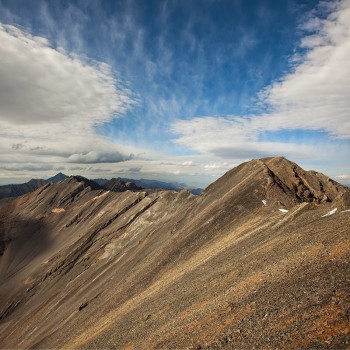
<point x="345" y="211"/>
<point x="264" y="201"/>
<point x="330" y="212"/>
<point x="284" y="210"/>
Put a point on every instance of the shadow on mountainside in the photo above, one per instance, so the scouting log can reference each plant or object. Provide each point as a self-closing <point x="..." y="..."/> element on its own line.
<point x="21" y="241"/>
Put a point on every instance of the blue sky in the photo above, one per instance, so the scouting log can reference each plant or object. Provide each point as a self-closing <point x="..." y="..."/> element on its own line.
<point x="174" y="90"/>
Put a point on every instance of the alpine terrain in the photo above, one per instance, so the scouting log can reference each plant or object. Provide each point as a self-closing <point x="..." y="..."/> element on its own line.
<point x="260" y="259"/>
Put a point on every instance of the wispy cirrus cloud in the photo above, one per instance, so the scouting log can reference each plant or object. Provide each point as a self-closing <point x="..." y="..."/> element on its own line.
<point x="314" y="96"/>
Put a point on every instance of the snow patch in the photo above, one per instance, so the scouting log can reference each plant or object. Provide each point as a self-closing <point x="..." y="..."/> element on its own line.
<point x="330" y="212"/>
<point x="284" y="210"/>
<point x="264" y="201"/>
<point x="345" y="211"/>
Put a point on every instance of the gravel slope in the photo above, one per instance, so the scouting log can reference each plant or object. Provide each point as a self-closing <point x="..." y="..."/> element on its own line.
<point x="85" y="268"/>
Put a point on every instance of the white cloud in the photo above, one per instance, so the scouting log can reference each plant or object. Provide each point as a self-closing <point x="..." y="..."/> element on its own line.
<point x="232" y="138"/>
<point x="342" y="177"/>
<point x="218" y="166"/>
<point x="41" y="84"/>
<point x="28" y="167"/>
<point x="187" y="163"/>
<point x="51" y="101"/>
<point x="98" y="157"/>
<point x="314" y="96"/>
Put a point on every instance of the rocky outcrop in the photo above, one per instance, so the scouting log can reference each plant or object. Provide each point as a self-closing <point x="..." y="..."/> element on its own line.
<point x="118" y="185"/>
<point x="277" y="181"/>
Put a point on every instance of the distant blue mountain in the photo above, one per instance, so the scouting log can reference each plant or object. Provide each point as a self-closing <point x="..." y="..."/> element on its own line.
<point x="101" y="182"/>
<point x="20" y="189"/>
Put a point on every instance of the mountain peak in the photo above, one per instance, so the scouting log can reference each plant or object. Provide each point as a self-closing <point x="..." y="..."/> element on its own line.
<point x="278" y="180"/>
<point x="306" y="186"/>
<point x="58" y="177"/>
<point x="86" y="182"/>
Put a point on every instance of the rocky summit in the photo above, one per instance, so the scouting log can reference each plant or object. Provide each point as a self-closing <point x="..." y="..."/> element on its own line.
<point x="118" y="185"/>
<point x="260" y="259"/>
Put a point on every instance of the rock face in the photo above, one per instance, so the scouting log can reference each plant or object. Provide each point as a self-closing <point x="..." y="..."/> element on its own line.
<point x="278" y="180"/>
<point x="82" y="267"/>
<point x="118" y="185"/>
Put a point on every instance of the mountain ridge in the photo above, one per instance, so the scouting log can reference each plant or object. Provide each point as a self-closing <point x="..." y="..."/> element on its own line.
<point x="172" y="270"/>
<point x="14" y="190"/>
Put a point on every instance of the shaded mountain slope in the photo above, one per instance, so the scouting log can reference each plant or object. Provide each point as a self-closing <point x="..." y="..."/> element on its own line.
<point x="226" y="269"/>
<point x="20" y="189"/>
<point x="15" y="190"/>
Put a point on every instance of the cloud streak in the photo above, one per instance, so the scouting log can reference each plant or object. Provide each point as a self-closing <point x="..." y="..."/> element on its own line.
<point x="315" y="96"/>
<point x="99" y="157"/>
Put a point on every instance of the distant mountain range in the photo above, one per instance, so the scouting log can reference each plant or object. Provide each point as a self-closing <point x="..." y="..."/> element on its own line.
<point x="20" y="189"/>
<point x="15" y="190"/>
<point x="114" y="184"/>
<point x="156" y="184"/>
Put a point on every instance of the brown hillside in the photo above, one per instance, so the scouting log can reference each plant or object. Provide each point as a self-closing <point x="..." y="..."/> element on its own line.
<point x="87" y="268"/>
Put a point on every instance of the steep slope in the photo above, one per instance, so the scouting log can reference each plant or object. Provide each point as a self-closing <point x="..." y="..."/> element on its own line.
<point x="227" y="269"/>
